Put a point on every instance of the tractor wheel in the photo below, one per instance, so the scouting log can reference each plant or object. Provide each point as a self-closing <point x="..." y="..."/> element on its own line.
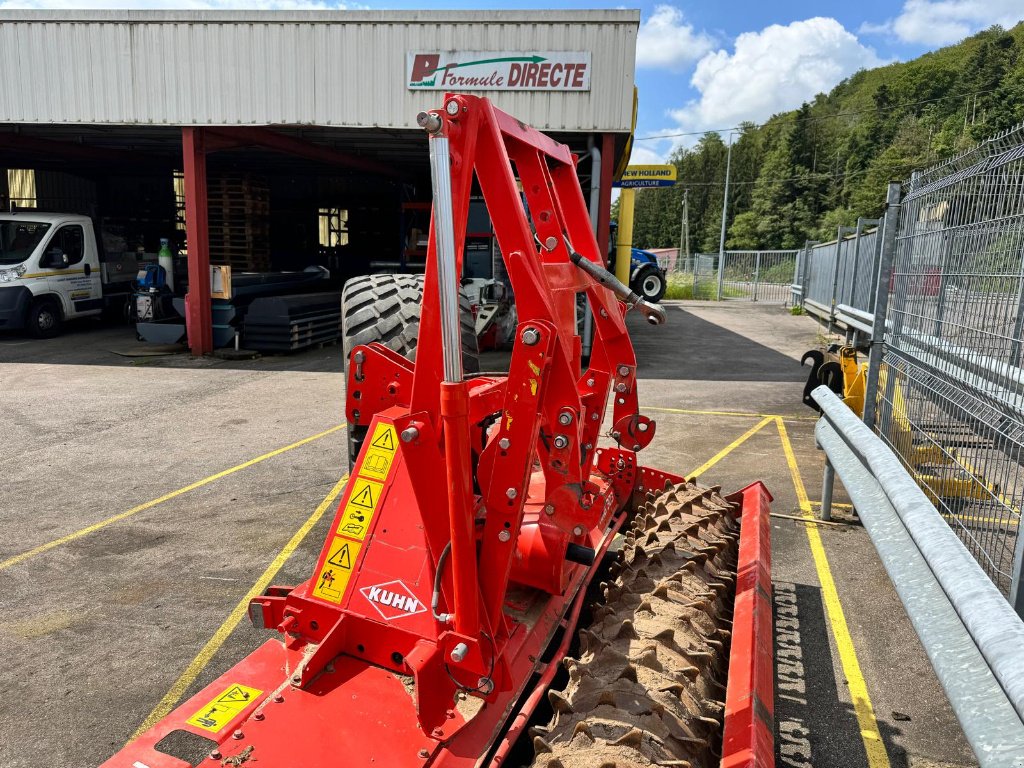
<point x="648" y="687"/>
<point x="649" y="283"/>
<point x="386" y="309"/>
<point x="44" y="318"/>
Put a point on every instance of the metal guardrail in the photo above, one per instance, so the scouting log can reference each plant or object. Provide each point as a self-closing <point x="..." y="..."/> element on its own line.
<point x="972" y="636"/>
<point x="756" y="276"/>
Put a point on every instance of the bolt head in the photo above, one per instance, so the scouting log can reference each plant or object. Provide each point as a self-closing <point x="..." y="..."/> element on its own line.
<point x="561" y="441"/>
<point x="452" y="107"/>
<point x="623" y="370"/>
<point x="578" y="530"/>
<point x="237" y="735"/>
<point x="590" y="382"/>
<point x="409" y="434"/>
<point x="424" y="754"/>
<point x="549" y="509"/>
<point x="359" y="357"/>
<point x="215" y="755"/>
<point x="504" y="443"/>
<point x="504" y="536"/>
<point x="565" y="418"/>
<point x="511" y="493"/>
<point x="594" y="416"/>
<point x="258" y="716"/>
<point x="531" y="336"/>
<point x="620" y="387"/>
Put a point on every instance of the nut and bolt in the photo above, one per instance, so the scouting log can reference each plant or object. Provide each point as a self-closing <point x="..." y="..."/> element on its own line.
<point x="531" y="336"/>
<point x="565" y="418"/>
<point x="452" y="107"/>
<point x="561" y="441"/>
<point x="587" y="446"/>
<point x="359" y="357"/>
<point x="504" y="536"/>
<point x="459" y="652"/>
<point x="594" y="416"/>
<point x="504" y="443"/>
<point x="437" y="733"/>
<point x="511" y="493"/>
<point x="550" y="243"/>
<point x="620" y="387"/>
<point x="623" y="370"/>
<point x="237" y="735"/>
<point x="590" y="382"/>
<point x="616" y="435"/>
<point x="278" y="698"/>
<point x="296" y="679"/>
<point x="258" y="716"/>
<point x="215" y="755"/>
<point x="409" y="434"/>
<point x="424" y="754"/>
<point x="549" y="509"/>
<point x="578" y="530"/>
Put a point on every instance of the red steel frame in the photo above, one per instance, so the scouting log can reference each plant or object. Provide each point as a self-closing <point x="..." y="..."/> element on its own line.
<point x="504" y="470"/>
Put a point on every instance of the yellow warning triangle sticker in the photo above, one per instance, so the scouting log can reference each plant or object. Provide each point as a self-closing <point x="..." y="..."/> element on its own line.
<point x="364" y="498"/>
<point x="235" y="694"/>
<point x="341" y="558"/>
<point x="385" y="440"/>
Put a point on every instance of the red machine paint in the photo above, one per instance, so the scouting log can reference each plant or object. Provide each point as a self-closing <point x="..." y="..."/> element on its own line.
<point x="506" y="470"/>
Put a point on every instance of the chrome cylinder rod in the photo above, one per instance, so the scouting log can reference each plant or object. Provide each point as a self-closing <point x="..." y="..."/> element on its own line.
<point x="444" y="243"/>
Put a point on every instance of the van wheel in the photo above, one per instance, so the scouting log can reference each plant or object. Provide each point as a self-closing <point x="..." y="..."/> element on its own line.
<point x="44" y="319"/>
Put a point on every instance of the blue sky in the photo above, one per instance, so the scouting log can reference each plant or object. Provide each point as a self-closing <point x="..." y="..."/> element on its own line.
<point x="709" y="65"/>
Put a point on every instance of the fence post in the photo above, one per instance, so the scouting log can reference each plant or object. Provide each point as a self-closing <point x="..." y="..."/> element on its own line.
<point x="757" y="272"/>
<point x="890" y="222"/>
<point x="1017" y="580"/>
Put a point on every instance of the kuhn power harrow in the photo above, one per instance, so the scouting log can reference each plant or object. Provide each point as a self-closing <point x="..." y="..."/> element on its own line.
<point x="487" y="518"/>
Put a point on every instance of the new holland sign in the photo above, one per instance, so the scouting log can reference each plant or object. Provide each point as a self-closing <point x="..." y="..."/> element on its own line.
<point x="648" y="176"/>
<point x="499" y="71"/>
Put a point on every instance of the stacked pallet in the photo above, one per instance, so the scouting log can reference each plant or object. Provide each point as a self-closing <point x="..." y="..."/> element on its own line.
<point x="239" y="213"/>
<point x="290" y="323"/>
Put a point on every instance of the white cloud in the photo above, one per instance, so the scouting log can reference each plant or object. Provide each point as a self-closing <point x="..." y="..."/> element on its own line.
<point x="666" y="41"/>
<point x="641" y="155"/>
<point x="938" y="22"/>
<point x="169" y="5"/>
<point x="770" y="71"/>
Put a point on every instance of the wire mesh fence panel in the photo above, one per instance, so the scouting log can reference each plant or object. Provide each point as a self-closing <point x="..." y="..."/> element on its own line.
<point x="822" y="263"/>
<point x="865" y="272"/>
<point x="763" y="276"/>
<point x="951" y="385"/>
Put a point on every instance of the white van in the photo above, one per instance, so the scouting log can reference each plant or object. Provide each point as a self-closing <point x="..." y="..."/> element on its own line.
<point x="51" y="271"/>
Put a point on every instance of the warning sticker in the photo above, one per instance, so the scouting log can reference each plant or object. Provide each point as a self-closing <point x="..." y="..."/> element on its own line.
<point x="380" y="454"/>
<point x="362" y="503"/>
<point x="224" y="708"/>
<point x="334" y="576"/>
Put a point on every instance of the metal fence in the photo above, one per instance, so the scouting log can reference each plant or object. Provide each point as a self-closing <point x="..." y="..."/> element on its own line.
<point x="763" y="276"/>
<point x="950" y="386"/>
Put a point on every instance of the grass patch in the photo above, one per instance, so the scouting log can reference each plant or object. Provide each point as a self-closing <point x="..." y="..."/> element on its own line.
<point x="796" y="309"/>
<point x="680" y="287"/>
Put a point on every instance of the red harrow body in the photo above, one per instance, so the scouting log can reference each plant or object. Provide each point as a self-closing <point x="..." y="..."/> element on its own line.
<point x="478" y="512"/>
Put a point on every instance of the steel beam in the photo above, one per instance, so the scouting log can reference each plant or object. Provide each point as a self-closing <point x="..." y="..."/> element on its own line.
<point x="198" y="312"/>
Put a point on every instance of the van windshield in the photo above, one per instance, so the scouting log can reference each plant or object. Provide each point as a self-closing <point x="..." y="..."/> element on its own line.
<point x="19" y="238"/>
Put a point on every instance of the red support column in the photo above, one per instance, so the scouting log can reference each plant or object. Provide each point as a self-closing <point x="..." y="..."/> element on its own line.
<point x="198" y="314"/>
<point x="604" y="205"/>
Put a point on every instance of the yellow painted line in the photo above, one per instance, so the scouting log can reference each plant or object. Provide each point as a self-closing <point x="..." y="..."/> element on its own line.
<point x="862" y="707"/>
<point x="836" y="504"/>
<point x="166" y="497"/>
<point x="207" y="652"/>
<point x="968" y="520"/>
<point x="745" y="414"/>
<point x="729" y="448"/>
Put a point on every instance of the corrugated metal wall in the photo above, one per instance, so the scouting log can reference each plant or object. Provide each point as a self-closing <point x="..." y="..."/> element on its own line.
<point x="331" y="69"/>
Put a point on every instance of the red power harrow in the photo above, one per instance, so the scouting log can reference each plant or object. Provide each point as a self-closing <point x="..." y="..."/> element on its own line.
<point x="478" y="512"/>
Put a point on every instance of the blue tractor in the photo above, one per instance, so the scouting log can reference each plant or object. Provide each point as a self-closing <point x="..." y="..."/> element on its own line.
<point x="646" y="277"/>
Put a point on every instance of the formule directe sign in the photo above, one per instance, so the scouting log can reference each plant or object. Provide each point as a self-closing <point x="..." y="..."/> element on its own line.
<point x="648" y="176"/>
<point x="499" y="71"/>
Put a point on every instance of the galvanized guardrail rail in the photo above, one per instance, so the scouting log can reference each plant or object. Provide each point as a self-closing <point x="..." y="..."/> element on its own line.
<point x="971" y="634"/>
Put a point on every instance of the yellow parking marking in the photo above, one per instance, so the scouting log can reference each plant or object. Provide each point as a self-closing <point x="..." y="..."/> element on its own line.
<point x="862" y="707"/>
<point x="729" y="448"/>
<point x="746" y="414"/>
<point x="199" y="663"/>
<point x="160" y="500"/>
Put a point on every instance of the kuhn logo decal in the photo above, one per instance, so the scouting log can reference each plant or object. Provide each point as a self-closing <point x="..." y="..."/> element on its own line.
<point x="393" y="600"/>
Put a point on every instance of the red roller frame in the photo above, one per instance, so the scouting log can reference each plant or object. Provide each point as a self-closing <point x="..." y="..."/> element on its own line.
<point x="749" y="738"/>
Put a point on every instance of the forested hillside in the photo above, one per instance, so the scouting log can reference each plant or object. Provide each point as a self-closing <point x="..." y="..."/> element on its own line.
<point x="805" y="172"/>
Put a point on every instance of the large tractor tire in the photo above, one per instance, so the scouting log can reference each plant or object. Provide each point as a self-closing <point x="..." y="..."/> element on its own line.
<point x="386" y="309"/>
<point x="648" y="687"/>
<point x="650" y="283"/>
